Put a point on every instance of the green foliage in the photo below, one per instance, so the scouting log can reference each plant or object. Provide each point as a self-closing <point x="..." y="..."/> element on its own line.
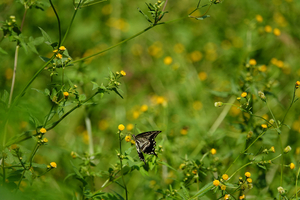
<point x="73" y="71"/>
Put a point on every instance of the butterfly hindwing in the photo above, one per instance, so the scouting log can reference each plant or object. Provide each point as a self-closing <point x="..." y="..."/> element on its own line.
<point x="145" y="142"/>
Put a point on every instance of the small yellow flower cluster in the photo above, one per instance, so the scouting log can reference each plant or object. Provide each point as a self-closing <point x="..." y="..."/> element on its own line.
<point x="225" y="177"/>
<point x="297" y="84"/>
<point x="184" y="131"/>
<point x="244" y="94"/>
<point x="216" y="182"/>
<point x="248" y="174"/>
<point x="259" y="18"/>
<point x="128" y="138"/>
<point x="123" y="73"/>
<point x="269" y="29"/>
<point x="53" y="165"/>
<point x="252" y="62"/>
<point x="202" y="76"/>
<point x="121" y="127"/>
<point x="168" y="60"/>
<point x="66" y="94"/>
<point x="276" y="62"/>
<point x="292" y="166"/>
<point x="264" y="126"/>
<point x="43" y="130"/>
<point x="213" y="151"/>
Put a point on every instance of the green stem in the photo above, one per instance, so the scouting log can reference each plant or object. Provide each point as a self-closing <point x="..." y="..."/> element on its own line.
<point x="79" y="60"/>
<point x="70" y="111"/>
<point x="297" y="176"/>
<point x="121" y="154"/>
<point x="16" y="100"/>
<point x="14" y="75"/>
<point x="244" y="151"/>
<point x="20" y="180"/>
<point x="58" y="21"/>
<point x="277" y="128"/>
<point x="3" y="168"/>
<point x="69" y="27"/>
<point x="36" y="147"/>
<point x="292" y="102"/>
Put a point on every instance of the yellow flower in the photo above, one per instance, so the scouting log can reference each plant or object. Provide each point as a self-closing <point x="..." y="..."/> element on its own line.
<point x="14" y="146"/>
<point x="292" y="166"/>
<point x="59" y="56"/>
<point x="287" y="149"/>
<point x="194" y="171"/>
<point x="182" y="166"/>
<point x="276" y="31"/>
<point x="272" y="149"/>
<point x="183" y="131"/>
<point x="73" y="154"/>
<point x="216" y="182"/>
<point x="249" y="180"/>
<point x="242" y="197"/>
<point x="66" y="94"/>
<point x="297" y="84"/>
<point x="62" y="48"/>
<point x="202" y="76"/>
<point x="53" y="164"/>
<point x="227" y="196"/>
<point x="225" y="177"/>
<point x="252" y="61"/>
<point x="262" y="68"/>
<point x="45" y="140"/>
<point x="123" y="73"/>
<point x="160" y="100"/>
<point x="43" y="130"/>
<point x="55" y="50"/>
<point x="121" y="127"/>
<point x="213" y="151"/>
<point x="136" y="114"/>
<point x="223" y="187"/>
<point x="144" y="108"/>
<point x="128" y="138"/>
<point x="244" y="94"/>
<point x="259" y="18"/>
<point x="168" y="60"/>
<point x="264" y="126"/>
<point x="247" y="174"/>
<point x="129" y="127"/>
<point x="132" y="142"/>
<point x="196" y="56"/>
<point x="268" y="29"/>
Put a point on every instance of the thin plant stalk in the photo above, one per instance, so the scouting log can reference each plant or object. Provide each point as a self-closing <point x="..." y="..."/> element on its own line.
<point x="125" y="187"/>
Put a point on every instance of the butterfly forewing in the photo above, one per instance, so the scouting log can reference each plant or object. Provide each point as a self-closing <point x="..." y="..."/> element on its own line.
<point x="145" y="142"/>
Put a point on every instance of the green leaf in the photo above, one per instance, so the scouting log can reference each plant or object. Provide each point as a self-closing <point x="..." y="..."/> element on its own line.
<point x="2" y="51"/>
<point x="116" y="91"/>
<point x="202" y="18"/>
<point x="47" y="92"/>
<point x="166" y="164"/>
<point x="82" y="97"/>
<point x="203" y="190"/>
<point x="41" y="166"/>
<point x="95" y="85"/>
<point x="46" y="37"/>
<point x="45" y="59"/>
<point x="15" y="175"/>
<point x="29" y="176"/>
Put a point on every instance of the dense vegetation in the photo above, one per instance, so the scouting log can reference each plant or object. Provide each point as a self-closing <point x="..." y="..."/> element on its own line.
<point x="219" y="79"/>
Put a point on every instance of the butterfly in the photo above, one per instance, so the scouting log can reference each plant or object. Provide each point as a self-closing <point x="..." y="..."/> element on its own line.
<point x="145" y="142"/>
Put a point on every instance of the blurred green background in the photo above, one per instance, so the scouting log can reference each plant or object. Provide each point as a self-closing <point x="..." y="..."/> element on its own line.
<point x="177" y="70"/>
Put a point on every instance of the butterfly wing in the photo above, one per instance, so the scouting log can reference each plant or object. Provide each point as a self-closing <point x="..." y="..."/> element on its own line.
<point x="145" y="142"/>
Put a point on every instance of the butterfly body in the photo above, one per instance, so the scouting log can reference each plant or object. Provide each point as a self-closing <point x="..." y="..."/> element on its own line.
<point x="145" y="143"/>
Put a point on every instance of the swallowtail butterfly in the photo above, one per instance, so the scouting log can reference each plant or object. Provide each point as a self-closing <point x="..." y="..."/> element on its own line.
<point x="145" y="142"/>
